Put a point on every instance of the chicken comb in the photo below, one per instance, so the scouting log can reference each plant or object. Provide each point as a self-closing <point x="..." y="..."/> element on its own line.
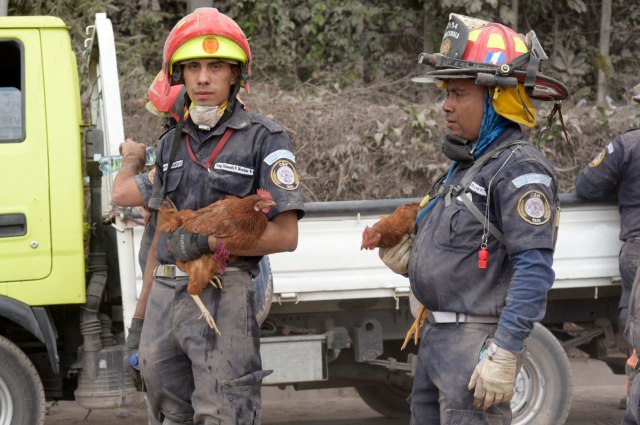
<point x="264" y="194"/>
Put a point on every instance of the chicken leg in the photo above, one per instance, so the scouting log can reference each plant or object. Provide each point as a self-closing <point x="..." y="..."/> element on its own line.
<point x="414" y="330"/>
<point x="205" y="313"/>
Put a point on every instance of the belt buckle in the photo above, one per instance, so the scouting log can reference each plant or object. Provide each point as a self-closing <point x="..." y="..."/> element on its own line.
<point x="169" y="270"/>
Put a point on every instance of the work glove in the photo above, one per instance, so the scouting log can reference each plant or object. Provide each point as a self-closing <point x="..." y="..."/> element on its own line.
<point x="188" y="246"/>
<point x="397" y="257"/>
<point x="131" y="351"/>
<point x="494" y="377"/>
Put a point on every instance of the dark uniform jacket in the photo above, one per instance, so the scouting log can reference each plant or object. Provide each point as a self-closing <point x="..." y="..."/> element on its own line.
<point x="517" y="189"/>
<point x="258" y="155"/>
<point x="616" y="170"/>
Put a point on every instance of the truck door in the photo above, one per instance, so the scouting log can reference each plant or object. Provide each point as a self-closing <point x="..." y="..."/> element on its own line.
<point x="25" y="232"/>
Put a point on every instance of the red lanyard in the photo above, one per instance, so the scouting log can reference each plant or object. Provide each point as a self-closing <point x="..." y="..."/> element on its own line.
<point x="214" y="154"/>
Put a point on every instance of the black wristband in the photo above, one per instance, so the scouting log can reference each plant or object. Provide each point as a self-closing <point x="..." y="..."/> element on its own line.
<point x="188" y="246"/>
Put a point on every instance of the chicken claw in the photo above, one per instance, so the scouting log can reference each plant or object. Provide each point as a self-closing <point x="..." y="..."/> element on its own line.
<point x="414" y="330"/>
<point x="216" y="282"/>
<point x="205" y="313"/>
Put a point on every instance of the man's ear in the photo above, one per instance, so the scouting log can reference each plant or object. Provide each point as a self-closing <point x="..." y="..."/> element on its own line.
<point x="236" y="74"/>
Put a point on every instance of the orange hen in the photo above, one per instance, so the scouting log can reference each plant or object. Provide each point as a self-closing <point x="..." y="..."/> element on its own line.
<point x="389" y="231"/>
<point x="237" y="224"/>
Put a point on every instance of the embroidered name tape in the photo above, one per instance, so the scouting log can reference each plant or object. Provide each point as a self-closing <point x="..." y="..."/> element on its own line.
<point x="475" y="187"/>
<point x="176" y="164"/>
<point x="280" y="154"/>
<point x="233" y="168"/>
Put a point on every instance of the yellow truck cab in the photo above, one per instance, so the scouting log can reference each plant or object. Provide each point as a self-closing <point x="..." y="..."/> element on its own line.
<point x="61" y="312"/>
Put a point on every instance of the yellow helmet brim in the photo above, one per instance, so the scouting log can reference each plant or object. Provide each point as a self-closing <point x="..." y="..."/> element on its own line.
<point x="209" y="46"/>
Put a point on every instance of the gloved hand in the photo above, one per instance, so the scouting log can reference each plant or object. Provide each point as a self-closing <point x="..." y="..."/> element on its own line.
<point x="131" y="351"/>
<point x="494" y="377"/>
<point x="188" y="246"/>
<point x="133" y="338"/>
<point x="397" y="257"/>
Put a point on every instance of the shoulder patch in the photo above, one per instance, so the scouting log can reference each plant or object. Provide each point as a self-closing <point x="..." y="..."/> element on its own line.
<point x="279" y="154"/>
<point x="598" y="159"/>
<point x="533" y="207"/>
<point x="532" y="178"/>
<point x="266" y="122"/>
<point x="283" y="174"/>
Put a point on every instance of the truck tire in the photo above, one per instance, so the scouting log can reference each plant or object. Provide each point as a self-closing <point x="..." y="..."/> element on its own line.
<point x="386" y="399"/>
<point x="544" y="389"/>
<point x="542" y="395"/>
<point x="22" y="399"/>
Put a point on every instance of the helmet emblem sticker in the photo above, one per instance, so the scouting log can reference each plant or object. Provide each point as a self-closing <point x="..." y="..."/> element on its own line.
<point x="284" y="175"/>
<point x="210" y="45"/>
<point x="445" y="47"/>
<point x="533" y="208"/>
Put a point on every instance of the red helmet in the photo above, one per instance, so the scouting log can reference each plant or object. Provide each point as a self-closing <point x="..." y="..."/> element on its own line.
<point x="162" y="97"/>
<point x="493" y="54"/>
<point x="206" y="33"/>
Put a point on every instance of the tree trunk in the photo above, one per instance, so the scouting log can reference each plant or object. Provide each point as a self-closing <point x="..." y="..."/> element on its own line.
<point x="4" y="6"/>
<point x="604" y="60"/>
<point x="194" y="4"/>
<point x="514" y="10"/>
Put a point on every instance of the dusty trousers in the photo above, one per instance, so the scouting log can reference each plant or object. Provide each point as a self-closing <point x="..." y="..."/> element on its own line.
<point x="447" y="356"/>
<point x="193" y="375"/>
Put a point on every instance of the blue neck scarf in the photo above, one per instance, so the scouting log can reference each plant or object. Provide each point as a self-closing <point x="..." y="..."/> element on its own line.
<point x="491" y="127"/>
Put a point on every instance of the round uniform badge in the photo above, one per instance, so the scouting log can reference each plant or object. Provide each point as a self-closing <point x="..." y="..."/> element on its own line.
<point x="598" y="159"/>
<point x="152" y="175"/>
<point x="533" y="207"/>
<point x="283" y="175"/>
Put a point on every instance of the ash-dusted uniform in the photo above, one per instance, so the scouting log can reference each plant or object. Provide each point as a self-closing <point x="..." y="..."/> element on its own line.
<point x="616" y="171"/>
<point x="517" y="189"/>
<point x="197" y="376"/>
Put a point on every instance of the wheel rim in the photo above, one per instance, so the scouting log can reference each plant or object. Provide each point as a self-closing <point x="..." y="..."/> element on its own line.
<point x="528" y="393"/>
<point x="6" y="404"/>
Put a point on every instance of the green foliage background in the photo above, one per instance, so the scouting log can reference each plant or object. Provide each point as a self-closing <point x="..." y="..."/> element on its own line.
<point x="336" y="74"/>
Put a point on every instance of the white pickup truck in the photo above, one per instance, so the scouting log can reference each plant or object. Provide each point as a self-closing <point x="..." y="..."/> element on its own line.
<point x="339" y="315"/>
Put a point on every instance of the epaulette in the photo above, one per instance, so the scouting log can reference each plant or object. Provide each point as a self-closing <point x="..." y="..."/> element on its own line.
<point x="266" y="122"/>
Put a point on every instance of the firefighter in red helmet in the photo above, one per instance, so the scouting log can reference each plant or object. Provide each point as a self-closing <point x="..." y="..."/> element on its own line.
<point x="481" y="255"/>
<point x="192" y="374"/>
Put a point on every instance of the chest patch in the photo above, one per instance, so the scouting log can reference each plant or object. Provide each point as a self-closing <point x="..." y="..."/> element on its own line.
<point x="531" y="179"/>
<point x="232" y="168"/>
<point x="176" y="164"/>
<point x="152" y="175"/>
<point x="279" y="154"/>
<point x="533" y="207"/>
<point x="284" y="175"/>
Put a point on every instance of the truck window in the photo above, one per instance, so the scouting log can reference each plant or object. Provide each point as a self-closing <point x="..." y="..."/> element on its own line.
<point x="11" y="91"/>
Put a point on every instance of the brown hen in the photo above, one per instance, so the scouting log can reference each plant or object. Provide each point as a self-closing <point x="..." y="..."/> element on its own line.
<point x="389" y="231"/>
<point x="237" y="224"/>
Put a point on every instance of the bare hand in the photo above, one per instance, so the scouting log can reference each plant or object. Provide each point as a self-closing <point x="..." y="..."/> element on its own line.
<point x="134" y="151"/>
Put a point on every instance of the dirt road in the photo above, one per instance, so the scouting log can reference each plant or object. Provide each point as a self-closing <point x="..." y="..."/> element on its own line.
<point x="596" y="395"/>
